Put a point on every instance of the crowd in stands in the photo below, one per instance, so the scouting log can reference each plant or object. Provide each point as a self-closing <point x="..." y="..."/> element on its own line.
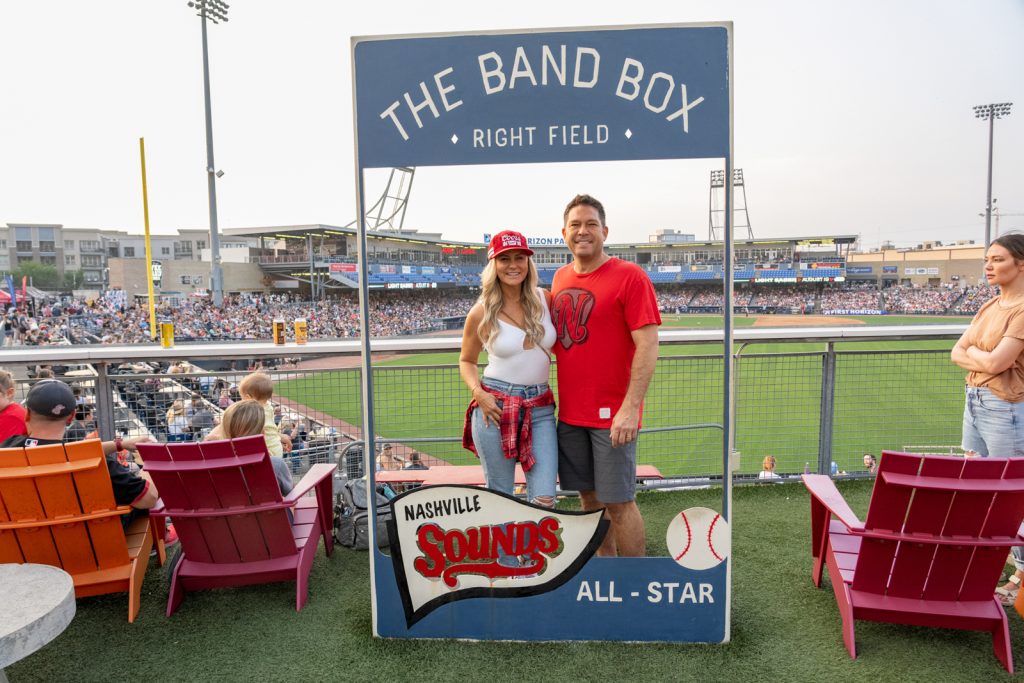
<point x="973" y="299"/>
<point x="251" y="317"/>
<point x="785" y="297"/>
<point x="856" y="298"/>
<point x="111" y="319"/>
<point x="921" y="300"/>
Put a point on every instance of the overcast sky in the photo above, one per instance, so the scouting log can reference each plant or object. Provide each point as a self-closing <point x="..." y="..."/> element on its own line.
<point x="850" y="118"/>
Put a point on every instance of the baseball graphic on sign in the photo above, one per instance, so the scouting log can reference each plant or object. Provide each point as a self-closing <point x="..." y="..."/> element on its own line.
<point x="698" y="538"/>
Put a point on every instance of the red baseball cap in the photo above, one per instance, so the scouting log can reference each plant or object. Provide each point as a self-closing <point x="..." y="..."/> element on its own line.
<point x="507" y="240"/>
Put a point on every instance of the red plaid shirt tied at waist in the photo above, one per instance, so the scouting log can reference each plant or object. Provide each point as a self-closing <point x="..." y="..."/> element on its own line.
<point x="516" y="443"/>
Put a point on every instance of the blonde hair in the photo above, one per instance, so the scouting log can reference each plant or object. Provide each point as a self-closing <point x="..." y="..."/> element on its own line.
<point x="492" y="300"/>
<point x="245" y="418"/>
<point x="6" y="380"/>
<point x="258" y="385"/>
<point x="768" y="463"/>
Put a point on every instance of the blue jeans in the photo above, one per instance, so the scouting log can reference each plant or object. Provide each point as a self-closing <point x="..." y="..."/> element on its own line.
<point x="501" y="471"/>
<point x="992" y="426"/>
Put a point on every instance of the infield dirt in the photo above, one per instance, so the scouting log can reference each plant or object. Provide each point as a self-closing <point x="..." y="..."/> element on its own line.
<point x="804" y="321"/>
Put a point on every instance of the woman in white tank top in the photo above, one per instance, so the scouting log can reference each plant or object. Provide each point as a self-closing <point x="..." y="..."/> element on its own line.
<point x="512" y="416"/>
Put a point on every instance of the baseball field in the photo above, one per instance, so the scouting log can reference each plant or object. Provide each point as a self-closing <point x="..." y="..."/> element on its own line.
<point x="887" y="395"/>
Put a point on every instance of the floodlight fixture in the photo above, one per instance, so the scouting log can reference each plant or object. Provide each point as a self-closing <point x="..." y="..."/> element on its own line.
<point x="990" y="112"/>
<point x="216" y="11"/>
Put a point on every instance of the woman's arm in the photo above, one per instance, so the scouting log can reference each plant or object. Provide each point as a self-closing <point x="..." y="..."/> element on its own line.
<point x="959" y="353"/>
<point x="468" y="359"/>
<point x="998" y="359"/>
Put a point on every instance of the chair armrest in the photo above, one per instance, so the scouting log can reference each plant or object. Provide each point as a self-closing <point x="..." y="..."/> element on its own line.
<point x="823" y="489"/>
<point x="315" y="475"/>
<point x="119" y="511"/>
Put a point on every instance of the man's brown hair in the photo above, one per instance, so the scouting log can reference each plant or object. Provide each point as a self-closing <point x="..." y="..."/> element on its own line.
<point x="584" y="200"/>
<point x="258" y="385"/>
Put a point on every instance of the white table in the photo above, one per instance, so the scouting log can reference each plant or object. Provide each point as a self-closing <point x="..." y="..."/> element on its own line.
<point x="37" y="602"/>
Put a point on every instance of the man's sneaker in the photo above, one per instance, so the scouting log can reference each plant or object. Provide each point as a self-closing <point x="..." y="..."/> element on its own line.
<point x="170" y="536"/>
<point x="170" y="539"/>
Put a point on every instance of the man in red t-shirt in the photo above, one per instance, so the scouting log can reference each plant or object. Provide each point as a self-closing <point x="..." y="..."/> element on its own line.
<point x="606" y="318"/>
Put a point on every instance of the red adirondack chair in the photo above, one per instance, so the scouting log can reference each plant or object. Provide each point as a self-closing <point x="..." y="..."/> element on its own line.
<point x="231" y="519"/>
<point x="931" y="550"/>
<point x="57" y="507"/>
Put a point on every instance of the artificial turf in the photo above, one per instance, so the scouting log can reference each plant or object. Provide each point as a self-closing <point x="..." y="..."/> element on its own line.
<point x="783" y="629"/>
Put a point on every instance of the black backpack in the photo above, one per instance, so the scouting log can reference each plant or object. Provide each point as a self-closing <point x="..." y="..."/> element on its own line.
<point x="352" y="518"/>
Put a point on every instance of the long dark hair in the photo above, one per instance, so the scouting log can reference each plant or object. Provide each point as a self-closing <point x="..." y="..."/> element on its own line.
<point x="1013" y="242"/>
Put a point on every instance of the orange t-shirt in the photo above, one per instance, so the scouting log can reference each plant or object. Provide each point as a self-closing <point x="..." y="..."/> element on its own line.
<point x="989" y="326"/>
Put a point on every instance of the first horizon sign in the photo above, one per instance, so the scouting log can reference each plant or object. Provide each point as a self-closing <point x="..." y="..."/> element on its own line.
<point x="657" y="92"/>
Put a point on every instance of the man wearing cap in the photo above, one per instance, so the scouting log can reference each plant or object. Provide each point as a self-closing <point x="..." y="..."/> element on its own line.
<point x="386" y="459"/>
<point x="51" y="407"/>
<point x="606" y="319"/>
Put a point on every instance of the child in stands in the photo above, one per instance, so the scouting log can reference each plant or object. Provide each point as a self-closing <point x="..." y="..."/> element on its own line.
<point x="259" y="387"/>
<point x="247" y="418"/>
<point x="12" y="415"/>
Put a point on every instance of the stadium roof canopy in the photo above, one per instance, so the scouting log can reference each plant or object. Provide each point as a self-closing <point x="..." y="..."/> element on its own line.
<point x="321" y="230"/>
<point x="415" y="237"/>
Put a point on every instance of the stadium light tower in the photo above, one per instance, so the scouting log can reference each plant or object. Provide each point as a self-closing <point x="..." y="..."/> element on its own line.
<point x="990" y="112"/>
<point x="216" y="11"/>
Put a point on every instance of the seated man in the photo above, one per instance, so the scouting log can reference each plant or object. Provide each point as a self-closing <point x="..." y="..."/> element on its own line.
<point x="415" y="463"/>
<point x="51" y="407"/>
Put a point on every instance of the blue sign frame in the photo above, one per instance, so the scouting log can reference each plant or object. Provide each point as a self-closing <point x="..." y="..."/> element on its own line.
<point x="552" y="96"/>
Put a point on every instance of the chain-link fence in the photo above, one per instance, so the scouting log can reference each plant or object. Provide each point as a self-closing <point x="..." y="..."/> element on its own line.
<point x="807" y="409"/>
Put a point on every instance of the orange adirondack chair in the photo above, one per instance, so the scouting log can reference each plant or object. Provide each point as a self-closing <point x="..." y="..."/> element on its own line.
<point x="57" y="508"/>
<point x="231" y="519"/>
<point x="931" y="550"/>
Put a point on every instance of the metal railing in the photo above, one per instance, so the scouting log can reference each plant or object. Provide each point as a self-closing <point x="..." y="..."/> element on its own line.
<point x="810" y="397"/>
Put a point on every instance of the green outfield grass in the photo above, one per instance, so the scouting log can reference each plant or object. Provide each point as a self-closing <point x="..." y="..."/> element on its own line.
<point x="882" y="401"/>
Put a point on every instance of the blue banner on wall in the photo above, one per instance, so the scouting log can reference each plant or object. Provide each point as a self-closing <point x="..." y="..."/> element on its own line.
<point x="547" y="96"/>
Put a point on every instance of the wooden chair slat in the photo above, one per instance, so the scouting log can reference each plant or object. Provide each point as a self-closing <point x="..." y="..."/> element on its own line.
<point x="173" y="495"/>
<point x="21" y="499"/>
<point x="929" y="509"/>
<point x="888" y="511"/>
<point x="263" y="487"/>
<point x="1006" y="507"/>
<point x="97" y="493"/>
<point x="60" y="499"/>
<point x="200" y="493"/>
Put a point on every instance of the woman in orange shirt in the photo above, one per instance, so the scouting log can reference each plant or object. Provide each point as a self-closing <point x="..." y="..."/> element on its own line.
<point x="992" y="350"/>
